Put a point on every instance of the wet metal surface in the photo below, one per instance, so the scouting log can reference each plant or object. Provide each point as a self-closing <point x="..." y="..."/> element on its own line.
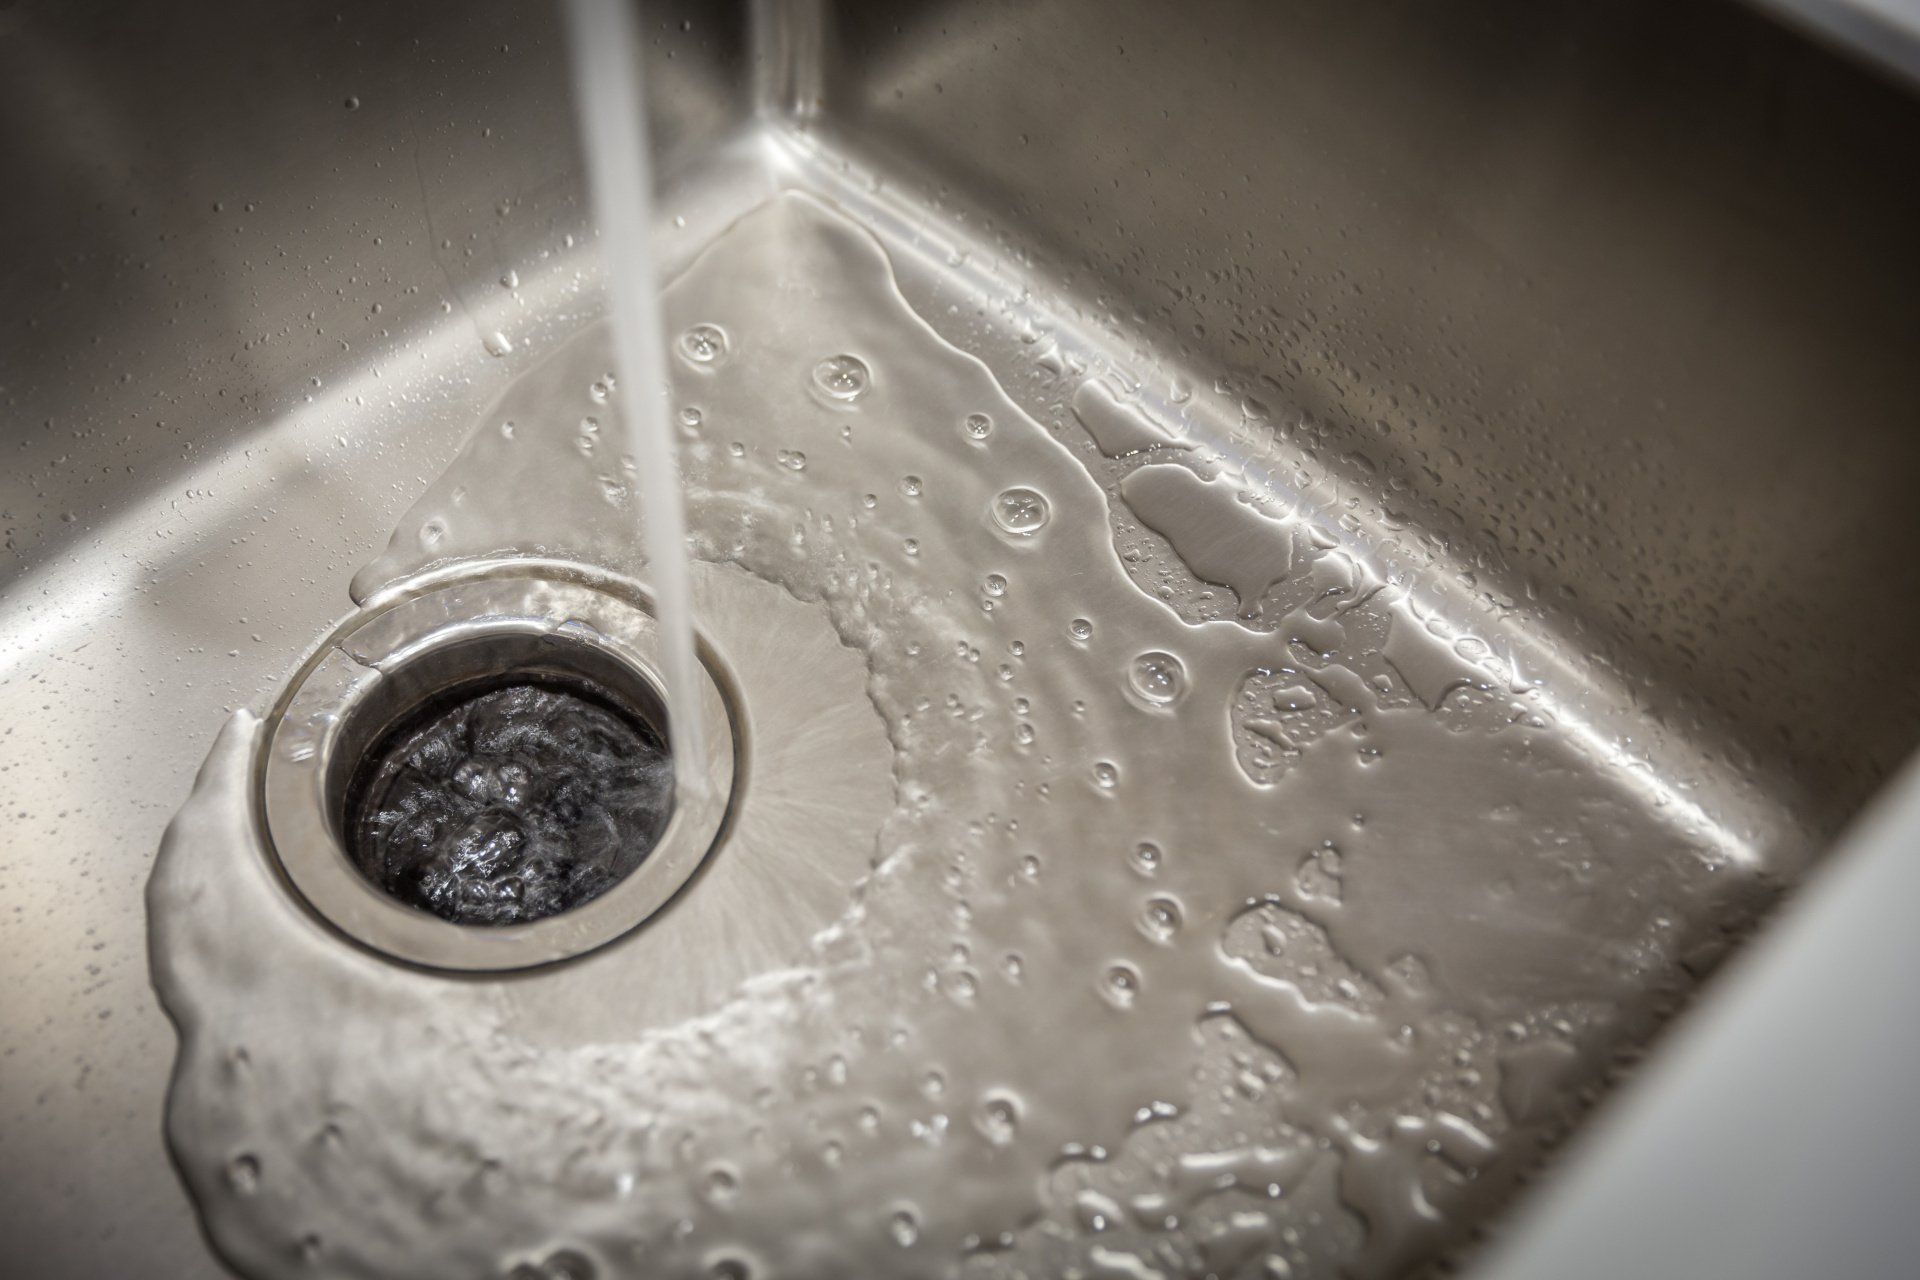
<point x="1620" y="381"/>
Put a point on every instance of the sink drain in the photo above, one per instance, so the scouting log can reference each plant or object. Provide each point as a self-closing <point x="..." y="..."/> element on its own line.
<point x="476" y="777"/>
<point x="510" y="805"/>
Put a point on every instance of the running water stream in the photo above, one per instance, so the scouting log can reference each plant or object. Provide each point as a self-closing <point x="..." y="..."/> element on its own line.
<point x="613" y="127"/>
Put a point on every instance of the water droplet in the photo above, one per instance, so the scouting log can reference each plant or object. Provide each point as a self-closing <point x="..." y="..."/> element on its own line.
<point x="722" y="1184"/>
<point x="567" y="1264"/>
<point x="996" y="585"/>
<point x="1080" y="629"/>
<point x="1020" y="511"/>
<point x="1161" y="919"/>
<point x="843" y="377"/>
<point x="497" y="344"/>
<point x="1158" y="677"/>
<point x="1121" y="985"/>
<point x="912" y="486"/>
<point x="1146" y="858"/>
<point x="704" y="344"/>
<point x="243" y="1174"/>
<point x="904" y="1227"/>
<point x="1107" y="775"/>
<point x="911" y="546"/>
<point x="998" y="1119"/>
<point x="978" y="426"/>
<point x="511" y="280"/>
<point x="691" y="416"/>
<point x="431" y="533"/>
<point x="1319" y="873"/>
<point x="792" y="459"/>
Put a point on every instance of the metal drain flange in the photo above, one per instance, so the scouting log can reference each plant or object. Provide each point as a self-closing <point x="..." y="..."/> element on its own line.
<point x="386" y="663"/>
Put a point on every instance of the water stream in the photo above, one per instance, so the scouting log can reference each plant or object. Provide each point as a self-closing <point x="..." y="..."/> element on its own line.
<point x="613" y="128"/>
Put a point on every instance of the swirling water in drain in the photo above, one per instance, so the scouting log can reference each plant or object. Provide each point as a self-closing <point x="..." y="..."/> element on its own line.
<point x="1270" y="944"/>
<point x="510" y="806"/>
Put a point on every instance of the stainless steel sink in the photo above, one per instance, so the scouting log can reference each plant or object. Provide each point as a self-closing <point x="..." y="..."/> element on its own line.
<point x="1591" y="328"/>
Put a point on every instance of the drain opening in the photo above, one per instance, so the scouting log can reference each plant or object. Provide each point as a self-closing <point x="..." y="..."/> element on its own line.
<point x="478" y="777"/>
<point x="510" y="800"/>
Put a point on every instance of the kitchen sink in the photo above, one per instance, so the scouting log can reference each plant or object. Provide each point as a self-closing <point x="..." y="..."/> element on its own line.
<point x="1486" y="429"/>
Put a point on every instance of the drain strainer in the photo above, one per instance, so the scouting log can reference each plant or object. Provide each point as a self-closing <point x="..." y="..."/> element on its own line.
<point x="475" y="777"/>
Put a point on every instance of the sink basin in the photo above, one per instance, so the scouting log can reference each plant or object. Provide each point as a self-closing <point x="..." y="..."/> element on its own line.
<point x="1579" y="341"/>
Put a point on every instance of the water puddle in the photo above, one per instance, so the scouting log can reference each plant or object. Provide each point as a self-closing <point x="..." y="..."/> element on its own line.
<point x="1270" y="947"/>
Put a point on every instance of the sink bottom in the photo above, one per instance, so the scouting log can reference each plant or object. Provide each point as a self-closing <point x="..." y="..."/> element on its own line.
<point x="1205" y="895"/>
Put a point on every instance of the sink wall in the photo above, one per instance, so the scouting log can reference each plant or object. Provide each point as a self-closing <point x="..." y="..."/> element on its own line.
<point x="1617" y="301"/>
